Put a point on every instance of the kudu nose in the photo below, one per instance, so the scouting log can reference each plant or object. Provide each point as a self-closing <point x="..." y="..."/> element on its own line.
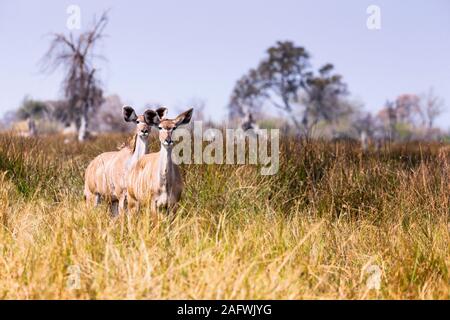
<point x="144" y="131"/>
<point x="168" y="141"/>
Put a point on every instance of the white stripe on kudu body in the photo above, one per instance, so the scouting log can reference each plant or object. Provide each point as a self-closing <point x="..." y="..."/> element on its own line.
<point x="155" y="179"/>
<point x="105" y="175"/>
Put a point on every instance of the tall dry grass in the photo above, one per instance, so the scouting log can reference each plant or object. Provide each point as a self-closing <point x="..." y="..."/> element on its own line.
<point x="317" y="229"/>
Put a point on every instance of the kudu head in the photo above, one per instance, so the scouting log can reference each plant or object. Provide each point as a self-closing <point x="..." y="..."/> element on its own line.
<point x="142" y="125"/>
<point x="166" y="127"/>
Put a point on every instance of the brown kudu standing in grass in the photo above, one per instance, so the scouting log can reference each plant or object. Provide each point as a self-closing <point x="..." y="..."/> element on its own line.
<point x="155" y="179"/>
<point x="105" y="175"/>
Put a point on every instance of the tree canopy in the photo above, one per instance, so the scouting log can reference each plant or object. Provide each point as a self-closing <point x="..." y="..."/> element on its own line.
<point x="285" y="80"/>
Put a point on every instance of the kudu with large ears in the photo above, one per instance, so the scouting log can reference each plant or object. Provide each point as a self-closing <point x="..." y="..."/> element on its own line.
<point x="155" y="179"/>
<point x="105" y="175"/>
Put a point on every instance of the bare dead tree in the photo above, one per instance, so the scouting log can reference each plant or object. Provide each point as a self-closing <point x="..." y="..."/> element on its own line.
<point x="80" y="86"/>
<point x="407" y="109"/>
<point x="432" y="107"/>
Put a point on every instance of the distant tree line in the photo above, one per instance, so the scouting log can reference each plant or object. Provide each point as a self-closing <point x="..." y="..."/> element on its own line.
<point x="407" y="117"/>
<point x="60" y="114"/>
<point x="285" y="80"/>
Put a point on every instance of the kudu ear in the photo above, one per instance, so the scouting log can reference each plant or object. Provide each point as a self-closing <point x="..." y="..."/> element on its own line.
<point x="162" y="112"/>
<point x="129" y="115"/>
<point x="184" y="118"/>
<point x="151" y="118"/>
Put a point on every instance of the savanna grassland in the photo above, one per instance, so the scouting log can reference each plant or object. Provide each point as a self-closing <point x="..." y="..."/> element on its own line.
<point x="323" y="227"/>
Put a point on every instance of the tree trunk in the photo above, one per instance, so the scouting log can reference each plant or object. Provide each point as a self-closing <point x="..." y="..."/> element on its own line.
<point x="297" y="125"/>
<point x="83" y="130"/>
<point x="363" y="138"/>
<point x="288" y="109"/>
<point x="31" y="127"/>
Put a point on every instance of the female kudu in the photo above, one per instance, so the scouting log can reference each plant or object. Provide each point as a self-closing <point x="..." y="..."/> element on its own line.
<point x="105" y="175"/>
<point x="155" y="179"/>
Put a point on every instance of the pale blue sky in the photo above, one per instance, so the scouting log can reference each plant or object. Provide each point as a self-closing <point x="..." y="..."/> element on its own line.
<point x="173" y="51"/>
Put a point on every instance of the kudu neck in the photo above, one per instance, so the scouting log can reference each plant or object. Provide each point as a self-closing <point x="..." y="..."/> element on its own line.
<point x="140" y="148"/>
<point x="165" y="163"/>
<point x="165" y="155"/>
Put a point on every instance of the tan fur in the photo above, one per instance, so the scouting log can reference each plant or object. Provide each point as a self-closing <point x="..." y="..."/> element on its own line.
<point x="105" y="175"/>
<point x="104" y="178"/>
<point x="145" y="186"/>
<point x="155" y="180"/>
<point x="95" y="179"/>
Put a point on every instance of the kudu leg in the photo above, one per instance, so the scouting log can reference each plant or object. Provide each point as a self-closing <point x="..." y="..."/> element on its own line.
<point x="132" y="206"/>
<point x="92" y="200"/>
<point x="97" y="200"/>
<point x="154" y="212"/>
<point x="115" y="208"/>
<point x="122" y="204"/>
